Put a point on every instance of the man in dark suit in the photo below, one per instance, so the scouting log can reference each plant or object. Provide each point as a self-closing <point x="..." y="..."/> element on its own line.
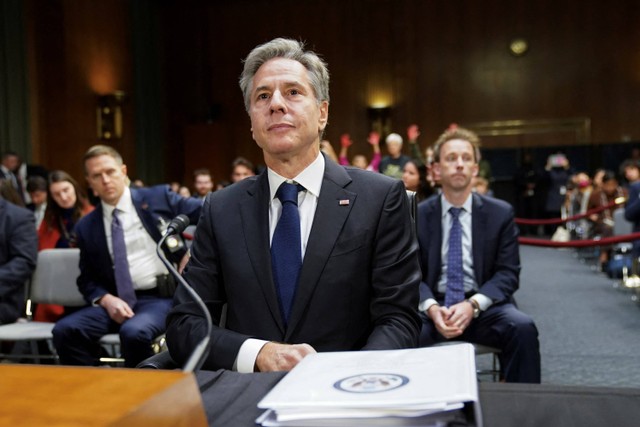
<point x="468" y="285"/>
<point x="632" y="212"/>
<point x="9" y="166"/>
<point x="18" y="256"/>
<point x="18" y="173"/>
<point x="121" y="276"/>
<point x="356" y="257"/>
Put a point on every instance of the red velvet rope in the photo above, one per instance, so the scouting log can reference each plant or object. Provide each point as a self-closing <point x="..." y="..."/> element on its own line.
<point x="579" y="243"/>
<point x="527" y="221"/>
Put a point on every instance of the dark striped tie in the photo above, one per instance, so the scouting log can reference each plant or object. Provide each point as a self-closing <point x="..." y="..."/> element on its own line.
<point x="124" y="284"/>
<point x="455" y="285"/>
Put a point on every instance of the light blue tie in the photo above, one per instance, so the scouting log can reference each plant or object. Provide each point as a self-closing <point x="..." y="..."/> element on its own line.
<point x="124" y="284"/>
<point x="286" y="253"/>
<point x="455" y="285"/>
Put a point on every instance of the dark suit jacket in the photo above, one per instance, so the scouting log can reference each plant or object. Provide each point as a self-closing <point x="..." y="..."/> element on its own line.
<point x="358" y="285"/>
<point x="632" y="212"/>
<point x="96" y="266"/>
<point x="496" y="258"/>
<point x="18" y="256"/>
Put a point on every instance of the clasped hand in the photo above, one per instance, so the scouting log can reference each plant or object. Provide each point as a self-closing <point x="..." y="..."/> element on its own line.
<point x="451" y="321"/>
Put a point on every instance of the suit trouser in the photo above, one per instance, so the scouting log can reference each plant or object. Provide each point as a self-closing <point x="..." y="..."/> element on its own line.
<point x="8" y="313"/>
<point x="505" y="327"/>
<point x="76" y="336"/>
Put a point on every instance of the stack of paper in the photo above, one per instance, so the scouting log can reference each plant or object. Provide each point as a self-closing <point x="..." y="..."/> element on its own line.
<point x="425" y="386"/>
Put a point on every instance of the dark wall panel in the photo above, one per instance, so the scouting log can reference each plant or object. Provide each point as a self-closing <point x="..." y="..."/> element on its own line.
<point x="435" y="62"/>
<point x="81" y="50"/>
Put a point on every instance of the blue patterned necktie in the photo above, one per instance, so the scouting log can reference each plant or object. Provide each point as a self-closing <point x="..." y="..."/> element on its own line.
<point x="124" y="284"/>
<point x="455" y="286"/>
<point x="286" y="252"/>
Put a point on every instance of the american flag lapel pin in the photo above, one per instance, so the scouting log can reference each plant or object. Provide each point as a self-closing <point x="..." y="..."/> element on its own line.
<point x="344" y="202"/>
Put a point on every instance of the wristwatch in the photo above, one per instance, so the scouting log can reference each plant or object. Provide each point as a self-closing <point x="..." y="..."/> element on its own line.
<point x="476" y="307"/>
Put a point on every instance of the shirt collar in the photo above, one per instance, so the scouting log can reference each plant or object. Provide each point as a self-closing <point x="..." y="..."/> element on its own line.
<point x="310" y="178"/>
<point x="125" y="204"/>
<point x="466" y="206"/>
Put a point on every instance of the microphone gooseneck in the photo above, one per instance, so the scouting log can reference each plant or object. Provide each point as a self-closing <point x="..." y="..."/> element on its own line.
<point x="200" y="352"/>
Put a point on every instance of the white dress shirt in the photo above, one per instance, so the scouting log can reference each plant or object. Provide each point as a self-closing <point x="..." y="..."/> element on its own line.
<point x="311" y="180"/>
<point x="144" y="263"/>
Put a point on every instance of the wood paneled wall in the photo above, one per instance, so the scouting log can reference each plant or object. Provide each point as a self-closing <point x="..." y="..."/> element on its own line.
<point x="435" y="62"/>
<point x="80" y="50"/>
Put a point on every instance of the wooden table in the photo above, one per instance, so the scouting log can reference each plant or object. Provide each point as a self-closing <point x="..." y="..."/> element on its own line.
<point x="32" y="395"/>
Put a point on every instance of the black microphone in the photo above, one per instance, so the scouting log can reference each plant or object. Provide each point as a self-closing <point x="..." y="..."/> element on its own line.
<point x="176" y="226"/>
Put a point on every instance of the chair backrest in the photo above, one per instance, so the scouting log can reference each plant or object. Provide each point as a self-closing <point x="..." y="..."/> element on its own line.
<point x="54" y="280"/>
<point x="620" y="224"/>
<point x="413" y="206"/>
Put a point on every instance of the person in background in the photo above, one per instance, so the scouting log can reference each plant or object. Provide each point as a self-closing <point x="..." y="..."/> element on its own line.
<point x="67" y="204"/>
<point x="19" y="172"/>
<point x="137" y="183"/>
<point x="471" y="264"/>
<point x="202" y="183"/>
<point x="632" y="213"/>
<point x="125" y="284"/>
<point x="222" y="184"/>
<point x="414" y="177"/>
<point x="602" y="222"/>
<point x="555" y="178"/>
<point x="18" y="256"/>
<point x="184" y="191"/>
<point x="481" y="186"/>
<point x="174" y="186"/>
<point x="630" y="171"/>
<point x="597" y="178"/>
<point x="577" y="203"/>
<point x="342" y="275"/>
<point x="484" y="169"/>
<point x="241" y="169"/>
<point x="37" y="189"/>
<point x="9" y="193"/>
<point x="359" y="160"/>
<point x="327" y="148"/>
<point x="9" y="171"/>
<point x="413" y="132"/>
<point x="393" y="164"/>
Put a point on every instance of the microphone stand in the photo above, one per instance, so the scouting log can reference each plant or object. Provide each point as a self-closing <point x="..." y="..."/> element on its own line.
<point x="201" y="351"/>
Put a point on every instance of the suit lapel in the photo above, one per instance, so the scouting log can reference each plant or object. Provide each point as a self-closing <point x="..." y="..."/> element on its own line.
<point x="331" y="213"/>
<point x="145" y="215"/>
<point x="254" y="210"/>
<point x="435" y="247"/>
<point x="478" y="227"/>
<point x="99" y="238"/>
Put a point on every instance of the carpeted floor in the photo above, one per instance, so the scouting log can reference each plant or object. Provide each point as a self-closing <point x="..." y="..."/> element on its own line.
<point x="589" y="330"/>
